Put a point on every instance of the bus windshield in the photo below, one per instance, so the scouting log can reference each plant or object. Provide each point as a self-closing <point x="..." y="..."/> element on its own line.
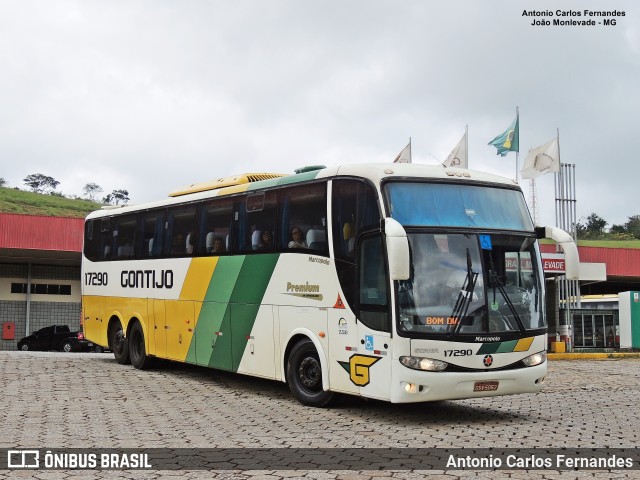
<point x="463" y="283"/>
<point x="457" y="205"/>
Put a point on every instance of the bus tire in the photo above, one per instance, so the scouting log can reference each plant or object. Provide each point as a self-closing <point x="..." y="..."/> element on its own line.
<point x="137" y="351"/>
<point x="304" y="375"/>
<point x="118" y="343"/>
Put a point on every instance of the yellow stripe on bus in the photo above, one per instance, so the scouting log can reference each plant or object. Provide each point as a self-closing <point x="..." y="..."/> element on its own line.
<point x="197" y="281"/>
<point x="523" y="344"/>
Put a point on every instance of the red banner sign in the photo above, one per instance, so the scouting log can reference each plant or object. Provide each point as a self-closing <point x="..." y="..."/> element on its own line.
<point x="553" y="263"/>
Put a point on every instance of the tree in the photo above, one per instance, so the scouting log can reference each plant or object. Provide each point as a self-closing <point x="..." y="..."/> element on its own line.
<point x="3" y="182"/>
<point x="117" y="196"/>
<point x="633" y="226"/>
<point x="91" y="190"/>
<point x="40" y="183"/>
<point x="593" y="228"/>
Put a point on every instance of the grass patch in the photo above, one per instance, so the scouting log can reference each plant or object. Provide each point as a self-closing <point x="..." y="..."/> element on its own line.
<point x="28" y="203"/>
<point x="610" y="243"/>
<point x="600" y="243"/>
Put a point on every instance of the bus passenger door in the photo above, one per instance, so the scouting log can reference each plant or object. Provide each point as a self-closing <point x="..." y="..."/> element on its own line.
<point x="372" y="370"/>
<point x="159" y="330"/>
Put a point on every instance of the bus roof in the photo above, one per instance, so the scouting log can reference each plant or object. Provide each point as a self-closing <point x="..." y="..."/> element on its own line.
<point x="376" y="172"/>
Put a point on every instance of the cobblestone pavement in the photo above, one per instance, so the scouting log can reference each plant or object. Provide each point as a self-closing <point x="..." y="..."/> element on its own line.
<point x="54" y="400"/>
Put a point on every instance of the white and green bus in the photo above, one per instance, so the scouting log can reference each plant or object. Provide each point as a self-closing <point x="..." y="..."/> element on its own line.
<point x="399" y="282"/>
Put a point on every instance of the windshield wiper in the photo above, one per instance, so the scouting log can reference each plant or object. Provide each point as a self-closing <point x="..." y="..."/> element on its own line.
<point x="465" y="296"/>
<point x="495" y="281"/>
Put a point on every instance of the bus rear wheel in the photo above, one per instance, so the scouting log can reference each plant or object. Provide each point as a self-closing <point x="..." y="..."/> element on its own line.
<point x="118" y="343"/>
<point x="304" y="375"/>
<point x="137" y="351"/>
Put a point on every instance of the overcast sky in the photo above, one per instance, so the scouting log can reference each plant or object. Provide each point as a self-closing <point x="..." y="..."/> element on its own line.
<point x="151" y="95"/>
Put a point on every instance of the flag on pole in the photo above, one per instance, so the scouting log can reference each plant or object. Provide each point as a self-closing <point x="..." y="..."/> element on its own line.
<point x="458" y="156"/>
<point x="405" y="155"/>
<point x="541" y="160"/>
<point x="508" y="141"/>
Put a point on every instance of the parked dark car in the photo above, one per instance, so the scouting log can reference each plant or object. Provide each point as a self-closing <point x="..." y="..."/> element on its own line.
<point x="55" y="337"/>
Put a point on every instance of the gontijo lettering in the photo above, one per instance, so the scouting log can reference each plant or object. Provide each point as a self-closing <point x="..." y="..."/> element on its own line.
<point x="146" y="279"/>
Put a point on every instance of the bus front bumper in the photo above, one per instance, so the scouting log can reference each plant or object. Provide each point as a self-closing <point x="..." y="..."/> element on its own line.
<point x="420" y="386"/>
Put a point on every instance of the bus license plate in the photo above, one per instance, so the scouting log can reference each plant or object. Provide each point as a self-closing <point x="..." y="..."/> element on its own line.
<point x="485" y="386"/>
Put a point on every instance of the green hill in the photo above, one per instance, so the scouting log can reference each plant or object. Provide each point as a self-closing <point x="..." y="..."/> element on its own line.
<point x="28" y="203"/>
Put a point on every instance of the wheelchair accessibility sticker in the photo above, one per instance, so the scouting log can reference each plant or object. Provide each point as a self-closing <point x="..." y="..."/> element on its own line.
<point x="485" y="242"/>
<point x="368" y="342"/>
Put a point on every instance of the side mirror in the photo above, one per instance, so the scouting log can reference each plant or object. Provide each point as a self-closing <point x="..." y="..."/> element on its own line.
<point x="562" y="238"/>
<point x="397" y="249"/>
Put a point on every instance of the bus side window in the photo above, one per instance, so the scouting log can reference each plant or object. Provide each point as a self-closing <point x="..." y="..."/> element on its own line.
<point x="373" y="298"/>
<point x="258" y="216"/>
<point x="354" y="208"/>
<point x="304" y="209"/>
<point x="151" y="228"/>
<point x="215" y="227"/>
<point x="124" y="236"/>
<point x="180" y="231"/>
<point x="106" y="239"/>
<point x="92" y="239"/>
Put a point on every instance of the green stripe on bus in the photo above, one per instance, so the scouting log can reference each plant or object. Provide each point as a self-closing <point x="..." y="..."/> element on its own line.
<point x="230" y="308"/>
<point x="254" y="276"/>
<point x="263" y="184"/>
<point x="224" y="279"/>
<point x="488" y="348"/>
<point x="213" y="320"/>
<point x="300" y="177"/>
<point x="506" y="347"/>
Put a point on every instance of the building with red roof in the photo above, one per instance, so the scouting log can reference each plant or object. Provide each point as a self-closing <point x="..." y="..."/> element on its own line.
<point x="40" y="261"/>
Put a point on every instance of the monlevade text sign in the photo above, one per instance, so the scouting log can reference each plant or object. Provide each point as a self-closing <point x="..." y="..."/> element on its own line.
<point x="320" y="459"/>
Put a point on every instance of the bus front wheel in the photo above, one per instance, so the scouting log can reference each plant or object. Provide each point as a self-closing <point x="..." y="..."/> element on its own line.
<point x="304" y="375"/>
<point x="137" y="350"/>
<point x="118" y="343"/>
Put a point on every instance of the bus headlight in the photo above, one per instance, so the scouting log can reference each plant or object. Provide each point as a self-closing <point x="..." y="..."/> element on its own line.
<point x="535" y="359"/>
<point x="420" y="363"/>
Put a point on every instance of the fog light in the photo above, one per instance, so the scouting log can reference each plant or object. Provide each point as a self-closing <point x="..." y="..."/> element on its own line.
<point x="413" y="388"/>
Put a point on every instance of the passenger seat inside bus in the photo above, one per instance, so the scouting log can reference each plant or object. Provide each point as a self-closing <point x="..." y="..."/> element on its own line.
<point x="188" y="247"/>
<point x="208" y="242"/>
<point x="255" y="239"/>
<point x="317" y="239"/>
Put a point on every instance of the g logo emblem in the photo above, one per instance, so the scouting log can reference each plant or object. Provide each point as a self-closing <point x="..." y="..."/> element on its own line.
<point x="487" y="360"/>
<point x="358" y="368"/>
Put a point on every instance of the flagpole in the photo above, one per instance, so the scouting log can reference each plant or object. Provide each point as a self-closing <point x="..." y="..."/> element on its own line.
<point x="466" y="143"/>
<point x="518" y="132"/>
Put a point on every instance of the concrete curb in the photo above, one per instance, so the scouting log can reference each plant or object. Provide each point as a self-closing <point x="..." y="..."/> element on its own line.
<point x="591" y="356"/>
